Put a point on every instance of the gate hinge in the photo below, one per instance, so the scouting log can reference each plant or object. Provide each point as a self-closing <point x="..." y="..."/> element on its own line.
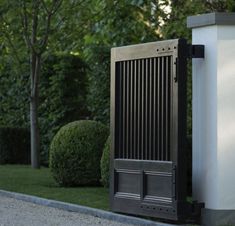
<point x="196" y="51"/>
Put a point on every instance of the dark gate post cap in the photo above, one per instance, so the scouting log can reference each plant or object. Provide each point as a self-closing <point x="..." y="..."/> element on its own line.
<point x="211" y="19"/>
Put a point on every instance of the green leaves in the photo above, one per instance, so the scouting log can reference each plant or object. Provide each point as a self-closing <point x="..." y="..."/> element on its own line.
<point x="90" y="28"/>
<point x="63" y="95"/>
<point x="137" y="2"/>
<point x="76" y="151"/>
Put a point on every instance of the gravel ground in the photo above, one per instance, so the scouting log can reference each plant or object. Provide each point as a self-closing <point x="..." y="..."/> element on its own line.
<point x="19" y="213"/>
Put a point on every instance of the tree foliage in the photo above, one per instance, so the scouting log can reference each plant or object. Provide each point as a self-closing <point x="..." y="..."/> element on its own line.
<point x="128" y="22"/>
<point x="63" y="93"/>
<point x="33" y="26"/>
<point x="88" y="29"/>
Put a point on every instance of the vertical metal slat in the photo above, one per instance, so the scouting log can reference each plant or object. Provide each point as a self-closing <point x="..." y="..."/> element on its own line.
<point x="143" y="110"/>
<point x="120" y="109"/>
<point x="144" y="105"/>
<point x="158" y="107"/>
<point x="135" y="112"/>
<point x="131" y="110"/>
<point x="150" y="109"/>
<point x="154" y="107"/>
<point x="169" y="106"/>
<point x="166" y="109"/>
<point x="128" y="110"/>
<point x="162" y="108"/>
<point x="139" y="109"/>
<point x="124" y="109"/>
<point x="146" y="108"/>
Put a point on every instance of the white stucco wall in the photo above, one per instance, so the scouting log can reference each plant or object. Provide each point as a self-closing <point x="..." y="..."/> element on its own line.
<point x="214" y="118"/>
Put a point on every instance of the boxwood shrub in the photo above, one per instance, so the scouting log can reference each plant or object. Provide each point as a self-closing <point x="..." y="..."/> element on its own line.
<point x="75" y="153"/>
<point x="104" y="163"/>
<point x="14" y="145"/>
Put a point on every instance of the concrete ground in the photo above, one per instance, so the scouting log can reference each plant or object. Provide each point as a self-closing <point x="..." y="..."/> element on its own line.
<point x="15" y="212"/>
<point x="23" y="210"/>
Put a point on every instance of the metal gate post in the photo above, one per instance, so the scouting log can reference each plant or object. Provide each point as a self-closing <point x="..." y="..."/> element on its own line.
<point x="214" y="117"/>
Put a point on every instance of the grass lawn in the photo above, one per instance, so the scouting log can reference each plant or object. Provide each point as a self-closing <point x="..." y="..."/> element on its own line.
<point x="24" y="179"/>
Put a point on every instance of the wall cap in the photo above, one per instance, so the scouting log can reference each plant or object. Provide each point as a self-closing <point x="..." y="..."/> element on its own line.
<point x="211" y="19"/>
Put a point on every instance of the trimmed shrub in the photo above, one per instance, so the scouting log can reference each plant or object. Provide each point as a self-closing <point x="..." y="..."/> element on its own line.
<point x="14" y="145"/>
<point x="104" y="163"/>
<point x="75" y="153"/>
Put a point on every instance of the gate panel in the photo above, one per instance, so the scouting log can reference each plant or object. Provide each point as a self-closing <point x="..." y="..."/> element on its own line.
<point x="143" y="108"/>
<point x="148" y="126"/>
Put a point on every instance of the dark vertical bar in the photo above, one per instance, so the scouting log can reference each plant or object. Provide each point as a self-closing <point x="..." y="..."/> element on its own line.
<point x="146" y="107"/>
<point x="180" y="102"/>
<point x="143" y="108"/>
<point x="154" y="107"/>
<point x="169" y="106"/>
<point x="162" y="108"/>
<point x="120" y="110"/>
<point x="124" y="110"/>
<point x="131" y="110"/>
<point x="117" y="110"/>
<point x="150" y="108"/>
<point x="139" y="108"/>
<point x="128" y="111"/>
<point x="166" y="109"/>
<point x="173" y="93"/>
<point x="159" y="108"/>
<point x="135" y="78"/>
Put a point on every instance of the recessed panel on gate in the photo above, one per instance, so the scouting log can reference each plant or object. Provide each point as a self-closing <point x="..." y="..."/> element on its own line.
<point x="148" y="129"/>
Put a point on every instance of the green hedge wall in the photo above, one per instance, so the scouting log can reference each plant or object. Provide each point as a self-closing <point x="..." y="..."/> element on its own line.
<point x="63" y="91"/>
<point x="14" y="145"/>
<point x="98" y="100"/>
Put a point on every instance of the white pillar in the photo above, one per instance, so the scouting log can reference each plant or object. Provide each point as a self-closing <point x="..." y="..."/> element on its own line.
<point x="214" y="117"/>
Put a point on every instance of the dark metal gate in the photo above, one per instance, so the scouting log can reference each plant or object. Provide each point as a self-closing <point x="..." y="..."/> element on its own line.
<point x="148" y="121"/>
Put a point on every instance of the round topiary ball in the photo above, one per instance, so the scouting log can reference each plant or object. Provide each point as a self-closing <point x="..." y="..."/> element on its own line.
<point x="75" y="153"/>
<point x="104" y="163"/>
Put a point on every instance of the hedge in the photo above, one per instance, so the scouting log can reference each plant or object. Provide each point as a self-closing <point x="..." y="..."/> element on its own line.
<point x="14" y="145"/>
<point x="76" y="151"/>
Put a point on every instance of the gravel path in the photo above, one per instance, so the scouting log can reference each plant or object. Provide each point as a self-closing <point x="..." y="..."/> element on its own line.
<point x="19" y="213"/>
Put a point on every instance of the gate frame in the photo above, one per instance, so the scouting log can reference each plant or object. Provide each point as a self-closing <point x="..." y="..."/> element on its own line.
<point x="180" y="51"/>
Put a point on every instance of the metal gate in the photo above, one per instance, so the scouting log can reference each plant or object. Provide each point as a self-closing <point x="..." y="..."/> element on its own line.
<point x="148" y="129"/>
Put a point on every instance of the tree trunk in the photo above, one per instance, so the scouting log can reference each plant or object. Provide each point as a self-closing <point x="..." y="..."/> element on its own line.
<point x="35" y="163"/>
<point x="34" y="127"/>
